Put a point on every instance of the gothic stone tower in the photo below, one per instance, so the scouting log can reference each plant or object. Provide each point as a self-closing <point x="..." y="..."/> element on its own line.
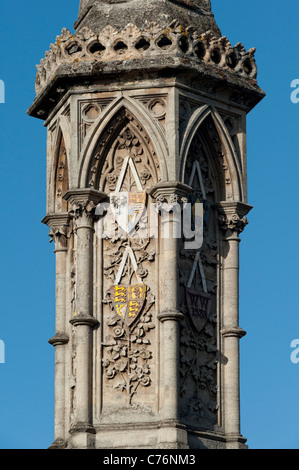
<point x="145" y="105"/>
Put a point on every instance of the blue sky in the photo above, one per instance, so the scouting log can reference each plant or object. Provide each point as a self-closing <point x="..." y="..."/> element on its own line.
<point x="269" y="309"/>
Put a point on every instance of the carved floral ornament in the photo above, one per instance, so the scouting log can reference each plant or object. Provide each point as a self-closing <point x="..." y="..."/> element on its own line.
<point x="59" y="236"/>
<point x="233" y="216"/>
<point x="60" y="229"/>
<point x="133" y="43"/>
<point x="234" y="222"/>
<point x="129" y="316"/>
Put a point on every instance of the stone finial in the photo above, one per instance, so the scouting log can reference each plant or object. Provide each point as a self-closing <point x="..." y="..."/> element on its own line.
<point x="94" y="13"/>
<point x="205" y="4"/>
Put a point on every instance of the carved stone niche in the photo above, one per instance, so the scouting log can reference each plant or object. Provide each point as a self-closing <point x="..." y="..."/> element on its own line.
<point x="125" y="165"/>
<point x="199" y="400"/>
<point x="124" y="137"/>
<point x="61" y="178"/>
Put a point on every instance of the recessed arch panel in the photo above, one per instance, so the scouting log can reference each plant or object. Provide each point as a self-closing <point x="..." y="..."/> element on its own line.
<point x="207" y="125"/>
<point x="106" y="131"/>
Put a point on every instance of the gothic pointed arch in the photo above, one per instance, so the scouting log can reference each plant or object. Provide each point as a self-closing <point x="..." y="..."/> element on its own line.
<point x="60" y="169"/>
<point x="206" y="134"/>
<point x="210" y="167"/>
<point x="124" y="164"/>
<point x="123" y="114"/>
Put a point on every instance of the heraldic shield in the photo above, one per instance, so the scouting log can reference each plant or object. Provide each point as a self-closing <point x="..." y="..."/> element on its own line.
<point x="128" y="208"/>
<point x="128" y="301"/>
<point x="199" y="305"/>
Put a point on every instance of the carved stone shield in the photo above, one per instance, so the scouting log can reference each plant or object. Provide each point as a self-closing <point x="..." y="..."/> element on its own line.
<point x="128" y="208"/>
<point x="137" y="206"/>
<point x="128" y="301"/>
<point x="199" y="305"/>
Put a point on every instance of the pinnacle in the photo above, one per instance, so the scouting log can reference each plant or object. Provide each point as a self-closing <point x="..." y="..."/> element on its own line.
<point x="96" y="14"/>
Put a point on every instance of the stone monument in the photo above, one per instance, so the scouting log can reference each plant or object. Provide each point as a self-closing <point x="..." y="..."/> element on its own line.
<point x="145" y="106"/>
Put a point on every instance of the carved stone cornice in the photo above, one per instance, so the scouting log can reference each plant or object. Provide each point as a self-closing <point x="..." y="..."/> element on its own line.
<point x="231" y="216"/>
<point x="59" y="225"/>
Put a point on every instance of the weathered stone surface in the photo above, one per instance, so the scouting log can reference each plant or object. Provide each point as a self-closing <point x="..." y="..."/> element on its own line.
<point x="141" y="116"/>
<point x="183" y="41"/>
<point x="96" y="14"/>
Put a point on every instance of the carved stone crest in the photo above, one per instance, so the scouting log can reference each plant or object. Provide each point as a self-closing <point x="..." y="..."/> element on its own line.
<point x="128" y="208"/>
<point x="128" y="301"/>
<point x="199" y="305"/>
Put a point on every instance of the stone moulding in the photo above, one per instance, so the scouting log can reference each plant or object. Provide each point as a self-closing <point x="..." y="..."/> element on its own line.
<point x="152" y="42"/>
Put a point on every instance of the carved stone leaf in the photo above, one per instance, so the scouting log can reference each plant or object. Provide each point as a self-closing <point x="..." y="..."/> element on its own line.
<point x="121" y="365"/>
<point x="120" y="387"/>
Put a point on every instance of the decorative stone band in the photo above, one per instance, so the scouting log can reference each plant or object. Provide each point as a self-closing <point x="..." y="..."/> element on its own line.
<point x="231" y="216"/>
<point x="233" y="332"/>
<point x="86" y="320"/>
<point x="82" y="428"/>
<point x="170" y="314"/>
<point x="59" y="339"/>
<point x="152" y="42"/>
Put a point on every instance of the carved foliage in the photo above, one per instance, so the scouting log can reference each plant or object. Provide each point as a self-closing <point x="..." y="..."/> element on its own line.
<point x="128" y="164"/>
<point x="128" y="350"/>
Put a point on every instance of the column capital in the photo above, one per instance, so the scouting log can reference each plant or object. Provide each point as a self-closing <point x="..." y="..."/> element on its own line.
<point x="231" y="216"/>
<point x="83" y="203"/>
<point x="84" y="196"/>
<point x="170" y="192"/>
<point x="59" y="225"/>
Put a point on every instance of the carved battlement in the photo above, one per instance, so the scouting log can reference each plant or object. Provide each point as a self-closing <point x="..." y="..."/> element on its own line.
<point x="153" y="42"/>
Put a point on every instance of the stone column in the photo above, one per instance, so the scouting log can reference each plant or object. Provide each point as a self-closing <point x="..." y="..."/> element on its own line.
<point x="59" y="225"/>
<point x="170" y="194"/>
<point x="83" y="204"/>
<point x="232" y="222"/>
